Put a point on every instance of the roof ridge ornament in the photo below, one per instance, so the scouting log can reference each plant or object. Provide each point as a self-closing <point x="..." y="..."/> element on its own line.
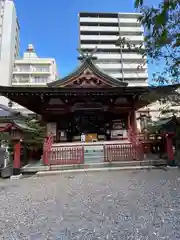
<point x="87" y="55"/>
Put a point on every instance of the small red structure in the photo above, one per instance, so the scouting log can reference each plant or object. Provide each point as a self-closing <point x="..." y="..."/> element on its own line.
<point x="169" y="146"/>
<point x="15" y="135"/>
<point x="16" y="131"/>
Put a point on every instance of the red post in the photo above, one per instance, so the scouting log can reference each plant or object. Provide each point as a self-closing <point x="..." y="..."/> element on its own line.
<point x="46" y="149"/>
<point x="133" y="122"/>
<point x="169" y="146"/>
<point x="45" y="157"/>
<point x="17" y="158"/>
<point x="129" y="120"/>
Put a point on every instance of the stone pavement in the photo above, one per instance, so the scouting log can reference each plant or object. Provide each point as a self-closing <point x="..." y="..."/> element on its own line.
<point x="132" y="205"/>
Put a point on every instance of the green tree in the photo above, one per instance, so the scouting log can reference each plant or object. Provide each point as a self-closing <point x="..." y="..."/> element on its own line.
<point x="162" y="45"/>
<point x="162" y="37"/>
<point x="35" y="137"/>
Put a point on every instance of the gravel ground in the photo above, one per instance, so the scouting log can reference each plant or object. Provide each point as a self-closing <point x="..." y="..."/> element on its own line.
<point x="102" y="205"/>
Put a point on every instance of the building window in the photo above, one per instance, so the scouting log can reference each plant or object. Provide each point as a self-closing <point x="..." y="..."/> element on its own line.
<point x="40" y="79"/>
<point x="22" y="68"/>
<point x="41" y="68"/>
<point x="23" y="79"/>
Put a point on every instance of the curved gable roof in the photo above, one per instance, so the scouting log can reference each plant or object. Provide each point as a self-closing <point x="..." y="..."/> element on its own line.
<point x="87" y="64"/>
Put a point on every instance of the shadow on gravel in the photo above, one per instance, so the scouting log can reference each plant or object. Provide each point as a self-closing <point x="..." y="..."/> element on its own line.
<point x="163" y="168"/>
<point x="158" y="168"/>
<point x="6" y="187"/>
<point x="28" y="175"/>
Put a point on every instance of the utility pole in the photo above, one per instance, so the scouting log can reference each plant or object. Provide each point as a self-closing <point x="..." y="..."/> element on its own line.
<point x="119" y="43"/>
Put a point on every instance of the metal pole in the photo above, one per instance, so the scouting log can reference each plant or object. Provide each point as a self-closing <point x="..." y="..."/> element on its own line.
<point x="122" y="69"/>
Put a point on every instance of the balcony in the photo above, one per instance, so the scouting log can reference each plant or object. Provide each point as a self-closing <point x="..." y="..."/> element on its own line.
<point x="40" y="73"/>
<point x="21" y="70"/>
<point x="124" y="30"/>
<point x="31" y="80"/>
<point x="111" y="38"/>
<point x="30" y="71"/>
<point x="99" y="29"/>
<point x="131" y="21"/>
<point x="96" y="19"/>
<point x="116" y="66"/>
<point x="125" y="56"/>
<point x="105" y="46"/>
<point x="129" y="75"/>
<point x="20" y="83"/>
<point x="128" y="21"/>
<point x="28" y="84"/>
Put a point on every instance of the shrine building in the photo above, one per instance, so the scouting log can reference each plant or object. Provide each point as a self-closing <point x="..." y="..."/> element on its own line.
<point x="87" y="107"/>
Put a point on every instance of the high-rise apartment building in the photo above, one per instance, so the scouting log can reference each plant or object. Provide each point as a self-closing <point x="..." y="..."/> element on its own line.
<point x="102" y="31"/>
<point x="9" y="43"/>
<point x="31" y="70"/>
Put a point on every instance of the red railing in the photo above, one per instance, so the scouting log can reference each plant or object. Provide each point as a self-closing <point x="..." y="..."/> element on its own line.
<point x="66" y="155"/>
<point x="75" y="154"/>
<point x="48" y="141"/>
<point x="122" y="152"/>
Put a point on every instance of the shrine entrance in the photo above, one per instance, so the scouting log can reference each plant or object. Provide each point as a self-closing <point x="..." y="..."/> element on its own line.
<point x="94" y="125"/>
<point x="91" y="123"/>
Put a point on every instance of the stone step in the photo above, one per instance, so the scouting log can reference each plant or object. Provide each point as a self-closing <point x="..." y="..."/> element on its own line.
<point x="94" y="154"/>
<point x="90" y="144"/>
<point x="35" y="168"/>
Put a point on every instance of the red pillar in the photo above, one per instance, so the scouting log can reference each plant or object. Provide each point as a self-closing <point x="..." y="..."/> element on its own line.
<point x="45" y="157"/>
<point x="17" y="158"/>
<point x="135" y="139"/>
<point x="133" y="122"/>
<point x="129" y="120"/>
<point x="45" y="151"/>
<point x="169" y="146"/>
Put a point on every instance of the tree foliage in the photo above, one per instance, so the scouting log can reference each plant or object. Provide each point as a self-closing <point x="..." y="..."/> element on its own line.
<point x="162" y="45"/>
<point x="162" y="37"/>
<point x="34" y="139"/>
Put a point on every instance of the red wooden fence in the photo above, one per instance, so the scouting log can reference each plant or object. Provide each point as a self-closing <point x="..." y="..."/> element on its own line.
<point x="66" y="155"/>
<point x="122" y="152"/>
<point x="75" y="154"/>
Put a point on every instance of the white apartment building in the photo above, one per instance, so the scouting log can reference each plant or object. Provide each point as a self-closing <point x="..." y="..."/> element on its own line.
<point x="31" y="70"/>
<point x="9" y="43"/>
<point x="102" y="31"/>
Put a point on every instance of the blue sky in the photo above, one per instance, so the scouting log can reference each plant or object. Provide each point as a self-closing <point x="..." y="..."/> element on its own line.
<point x="52" y="26"/>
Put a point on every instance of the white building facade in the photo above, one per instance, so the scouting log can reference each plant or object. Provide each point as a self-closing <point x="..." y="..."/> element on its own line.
<point x="102" y="31"/>
<point x="31" y="70"/>
<point x="9" y="43"/>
